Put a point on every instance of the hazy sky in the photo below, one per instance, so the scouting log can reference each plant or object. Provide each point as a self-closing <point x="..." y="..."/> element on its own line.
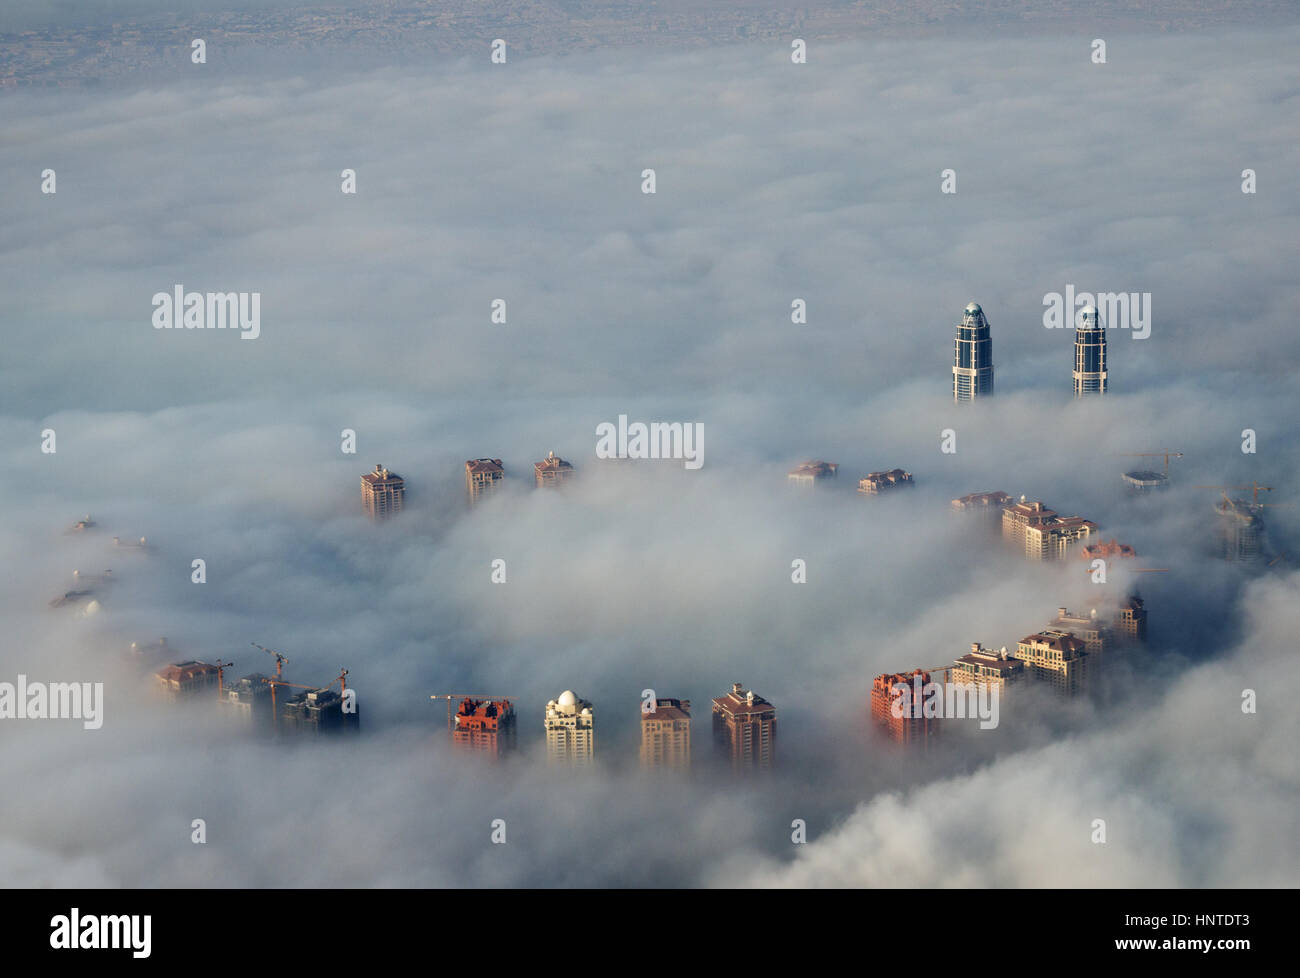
<point x="775" y="181"/>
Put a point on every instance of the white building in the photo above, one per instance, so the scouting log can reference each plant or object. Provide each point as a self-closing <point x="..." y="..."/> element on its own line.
<point x="570" y="729"/>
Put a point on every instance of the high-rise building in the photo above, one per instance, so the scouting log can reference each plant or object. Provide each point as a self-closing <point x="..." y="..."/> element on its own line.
<point x="382" y="493"/>
<point x="666" y="734"/>
<point x="809" y="474"/>
<point x="990" y="668"/>
<point x="1241" y="531"/>
<point x="986" y="507"/>
<point x="744" y="728"/>
<point x="908" y="728"/>
<point x="1088" y="627"/>
<point x="972" y="361"/>
<point x="483" y="476"/>
<point x="878" y="482"/>
<point x="1056" y="658"/>
<point x="248" y="700"/>
<point x="185" y="679"/>
<point x="570" y="729"/>
<point x="552" y="471"/>
<point x="317" y="711"/>
<point x="1131" y="620"/>
<point x="1041" y="533"/>
<point x="485" y="725"/>
<point x="1090" y="354"/>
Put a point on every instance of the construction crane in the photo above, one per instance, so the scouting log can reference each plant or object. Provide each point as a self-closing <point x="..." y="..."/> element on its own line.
<point x="273" y="683"/>
<point x="465" y="696"/>
<point x="280" y="659"/>
<point x="1165" y="455"/>
<point x="1255" y="489"/>
<point x="221" y="675"/>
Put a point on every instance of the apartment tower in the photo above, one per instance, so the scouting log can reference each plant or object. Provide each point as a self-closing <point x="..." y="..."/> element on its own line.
<point x="570" y="729"/>
<point x="666" y="734"/>
<point x="483" y="476"/>
<point x="744" y="728"/>
<point x="485" y="725"/>
<point x="907" y="728"/>
<point x="552" y="471"/>
<point x="382" y="493"/>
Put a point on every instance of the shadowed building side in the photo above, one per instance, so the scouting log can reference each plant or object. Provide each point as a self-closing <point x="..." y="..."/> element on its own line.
<point x="382" y="493"/>
<point x="483" y="476"/>
<point x="666" y="735"/>
<point x="744" y="729"/>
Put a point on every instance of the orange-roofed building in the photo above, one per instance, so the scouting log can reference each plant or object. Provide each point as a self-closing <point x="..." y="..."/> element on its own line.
<point x="184" y="679"/>
<point x="1107" y="550"/>
<point x="485" y="725"/>
<point x="552" y="471"/>
<point x="483" y="476"/>
<point x="904" y="729"/>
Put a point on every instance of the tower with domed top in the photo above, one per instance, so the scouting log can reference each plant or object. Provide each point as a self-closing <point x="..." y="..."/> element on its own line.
<point x="570" y="730"/>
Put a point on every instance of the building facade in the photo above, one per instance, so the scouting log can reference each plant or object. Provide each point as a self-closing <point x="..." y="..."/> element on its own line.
<point x="485" y="725"/>
<point x="183" y="680"/>
<point x="744" y="729"/>
<point x="984" y="507"/>
<point x="809" y="474"/>
<point x="552" y="471"/>
<point x="1057" y="659"/>
<point x="1090" y="628"/>
<point x="317" y="711"/>
<point x="666" y="734"/>
<point x="878" y="482"/>
<point x="382" y="493"/>
<point x="1131" y="620"/>
<point x="248" y="700"/>
<point x="570" y="729"/>
<point x="972" y="361"/>
<point x="1040" y="533"/>
<point x="988" y="668"/>
<point x="1090" y="375"/>
<point x="483" y="476"/>
<point x="906" y="729"/>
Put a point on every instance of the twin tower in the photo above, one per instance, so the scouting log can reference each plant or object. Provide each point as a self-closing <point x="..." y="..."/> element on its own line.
<point x="972" y="361"/>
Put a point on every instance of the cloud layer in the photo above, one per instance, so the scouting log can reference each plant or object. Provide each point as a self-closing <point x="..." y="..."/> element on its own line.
<point x="775" y="182"/>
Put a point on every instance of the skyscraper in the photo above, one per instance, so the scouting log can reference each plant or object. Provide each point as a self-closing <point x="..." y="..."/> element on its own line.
<point x="552" y="471"/>
<point x="972" y="361"/>
<point x="666" y="734"/>
<point x="1056" y="658"/>
<point x="485" y="725"/>
<point x="382" y="493"/>
<point x="570" y="729"/>
<point x="1090" y="354"/>
<point x="911" y="726"/>
<point x="483" y="476"/>
<point x="744" y="728"/>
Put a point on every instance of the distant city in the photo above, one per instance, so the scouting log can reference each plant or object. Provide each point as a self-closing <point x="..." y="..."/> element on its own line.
<point x="1063" y="658"/>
